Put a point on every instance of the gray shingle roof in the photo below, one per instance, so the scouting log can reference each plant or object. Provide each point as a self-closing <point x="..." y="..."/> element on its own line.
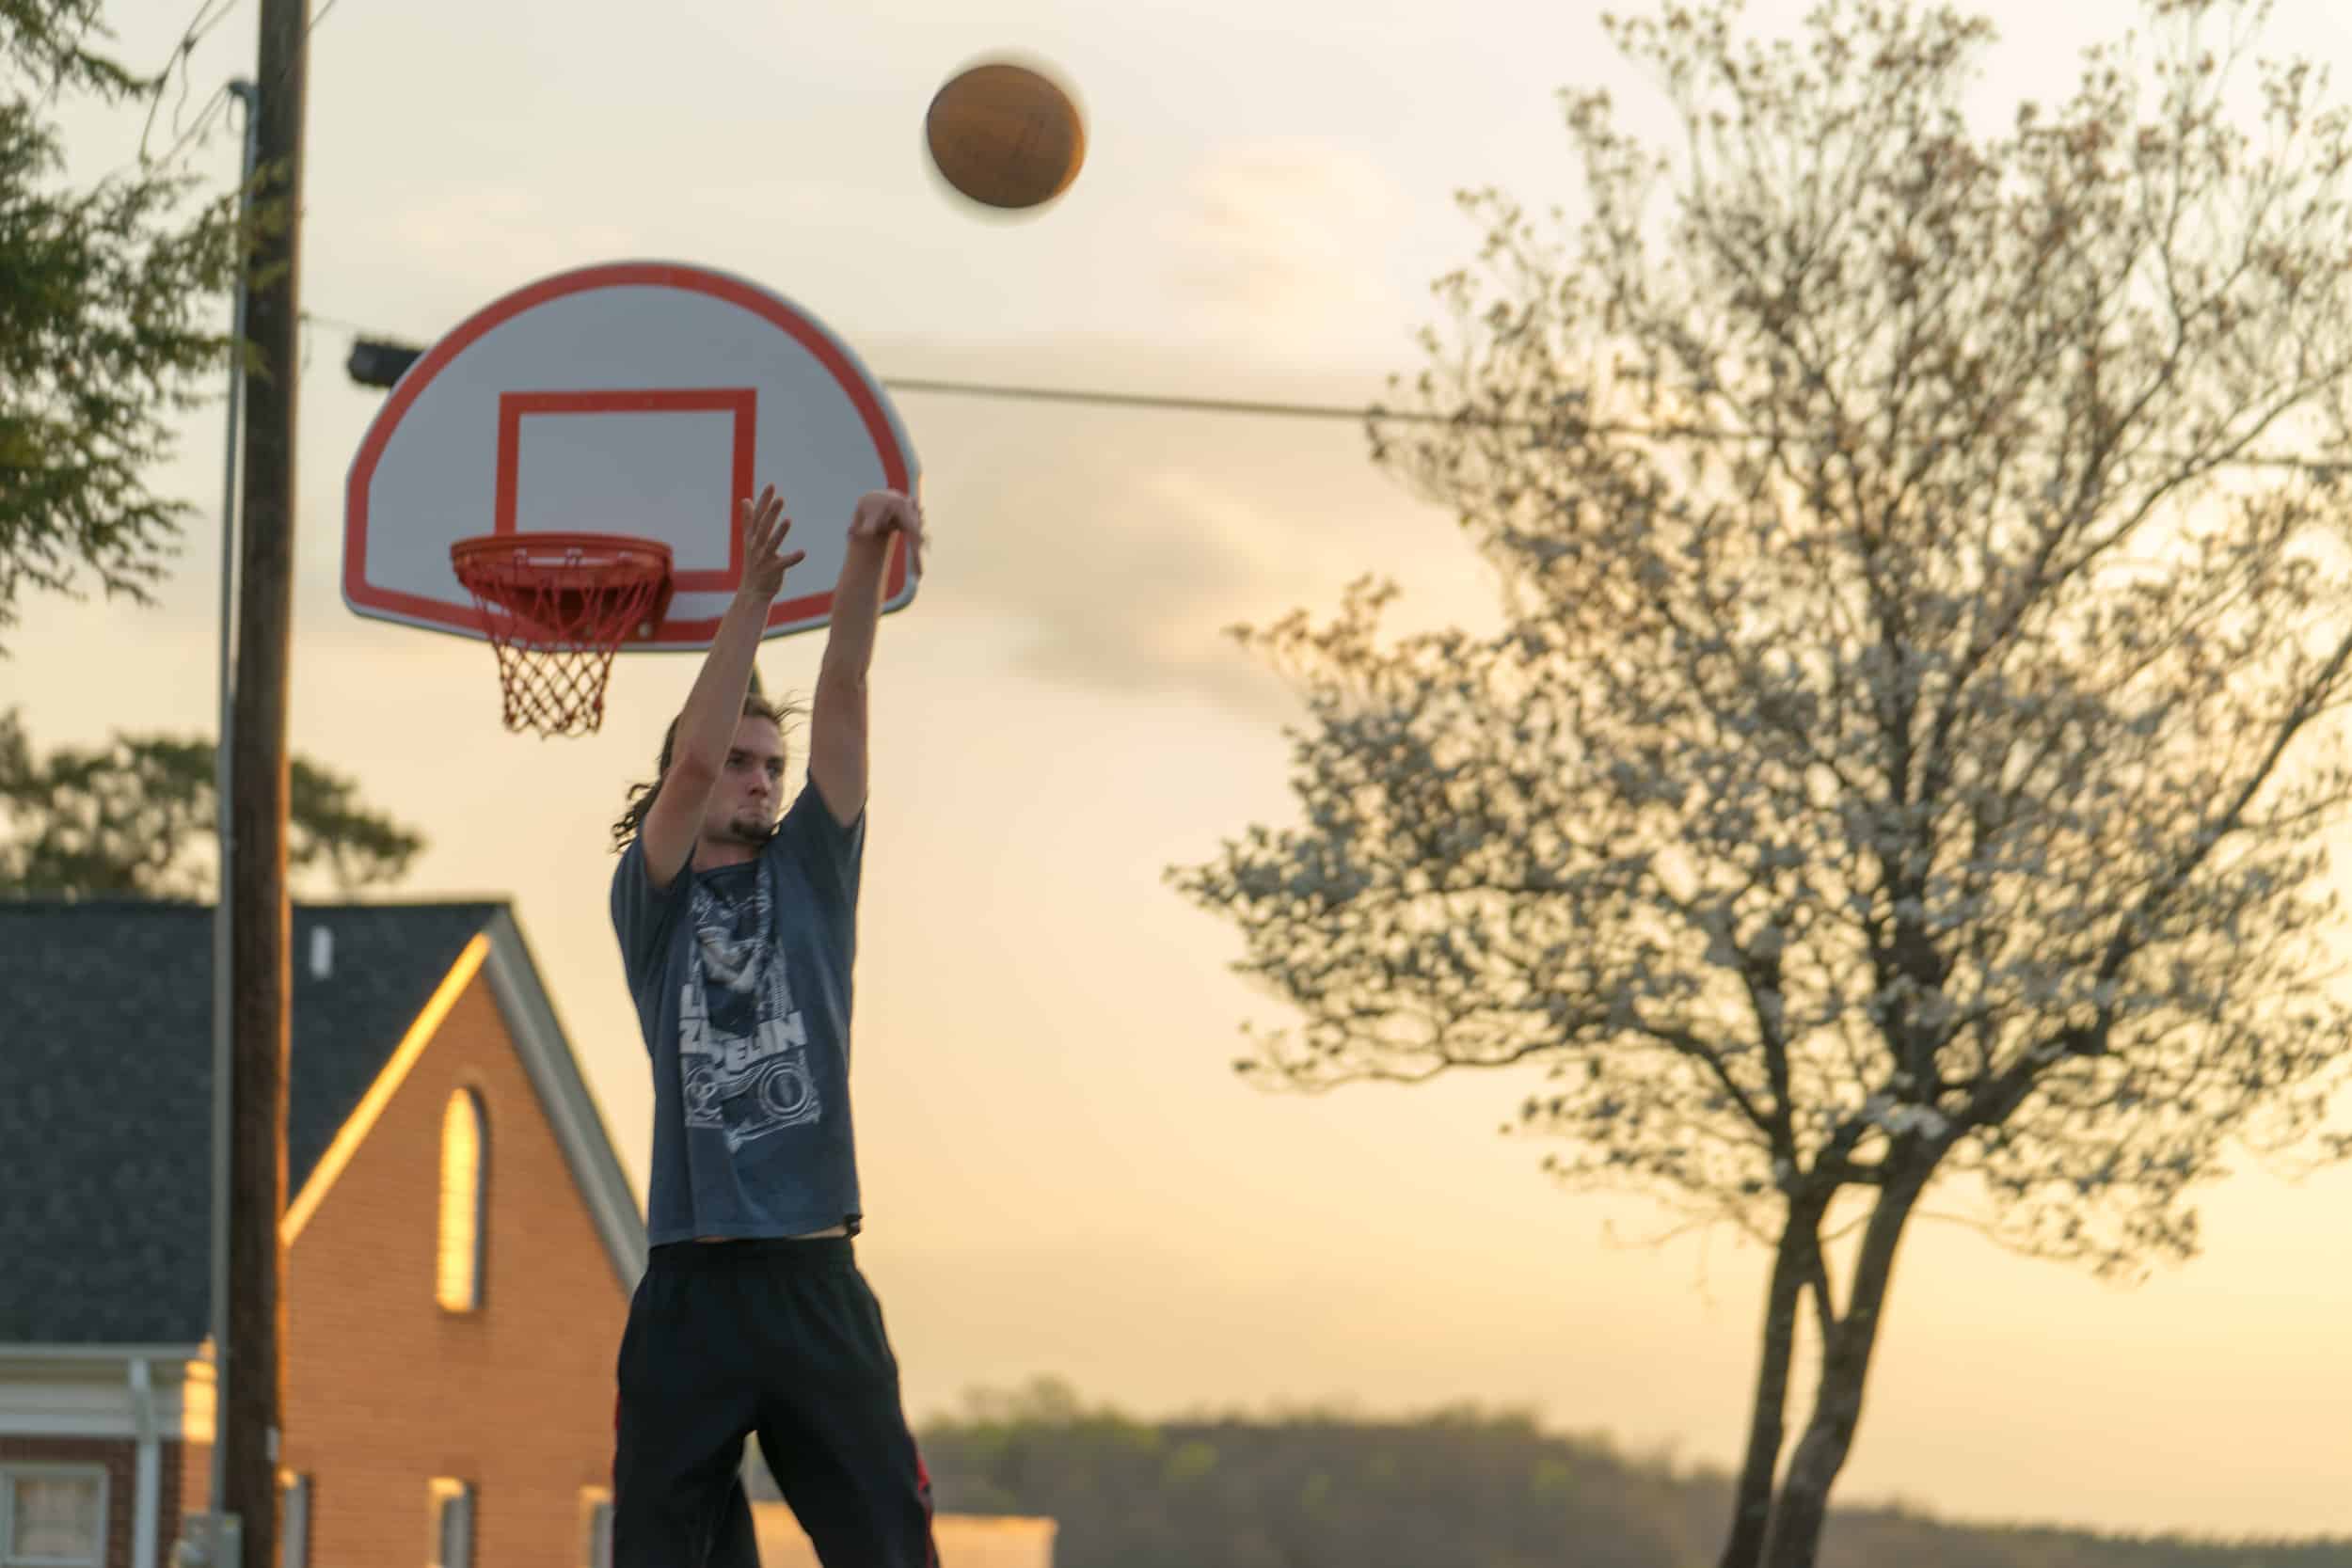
<point x="105" y="1094"/>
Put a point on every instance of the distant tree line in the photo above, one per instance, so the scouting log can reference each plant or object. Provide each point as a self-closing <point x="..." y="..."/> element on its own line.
<point x="1460" y="1488"/>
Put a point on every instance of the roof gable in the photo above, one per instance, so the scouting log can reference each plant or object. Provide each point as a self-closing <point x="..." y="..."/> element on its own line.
<point x="105" y="1093"/>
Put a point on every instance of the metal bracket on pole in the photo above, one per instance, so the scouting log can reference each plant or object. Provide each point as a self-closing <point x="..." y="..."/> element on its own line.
<point x="209" y="1541"/>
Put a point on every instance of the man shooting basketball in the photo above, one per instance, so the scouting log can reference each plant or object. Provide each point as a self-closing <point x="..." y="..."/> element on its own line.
<point x="737" y="932"/>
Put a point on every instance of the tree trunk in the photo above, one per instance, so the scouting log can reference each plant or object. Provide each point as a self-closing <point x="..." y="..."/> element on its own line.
<point x="1752" y="1504"/>
<point x="1802" y="1506"/>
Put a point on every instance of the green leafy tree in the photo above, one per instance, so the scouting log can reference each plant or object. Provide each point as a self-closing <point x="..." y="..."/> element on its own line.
<point x="135" y="818"/>
<point x="109" y="295"/>
<point x="1906" y="760"/>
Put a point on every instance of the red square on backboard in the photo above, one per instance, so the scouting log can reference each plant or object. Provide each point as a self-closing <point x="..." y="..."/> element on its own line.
<point x="740" y="404"/>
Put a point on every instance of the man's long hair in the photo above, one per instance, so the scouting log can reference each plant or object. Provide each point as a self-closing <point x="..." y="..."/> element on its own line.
<point x="641" y="797"/>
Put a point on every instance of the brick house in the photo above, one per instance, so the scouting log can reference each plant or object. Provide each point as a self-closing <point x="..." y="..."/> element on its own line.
<point x="462" y="1243"/>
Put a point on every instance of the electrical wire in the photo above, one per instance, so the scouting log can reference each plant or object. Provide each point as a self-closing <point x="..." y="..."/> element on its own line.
<point x="302" y="46"/>
<point x="1404" y="415"/>
<point x="1130" y="400"/>
<point x="206" y="19"/>
<point x="1283" y="409"/>
<point x="216" y="106"/>
<point x="337" y="322"/>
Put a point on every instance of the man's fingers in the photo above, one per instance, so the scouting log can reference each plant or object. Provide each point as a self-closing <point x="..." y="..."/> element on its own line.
<point x="764" y="525"/>
<point x="895" y="512"/>
<point x="794" y="559"/>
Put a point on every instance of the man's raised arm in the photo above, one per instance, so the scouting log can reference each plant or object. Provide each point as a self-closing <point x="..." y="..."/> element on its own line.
<point x="836" y="731"/>
<point x="705" y="726"/>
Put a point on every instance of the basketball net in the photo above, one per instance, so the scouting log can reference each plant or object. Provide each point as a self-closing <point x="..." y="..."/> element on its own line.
<point x="556" y="608"/>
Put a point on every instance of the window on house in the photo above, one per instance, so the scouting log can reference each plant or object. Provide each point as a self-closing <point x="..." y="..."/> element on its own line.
<point x="453" y="1524"/>
<point x="53" y="1517"/>
<point x="595" y="1512"/>
<point x="459" y="1285"/>
<point x="293" y="1510"/>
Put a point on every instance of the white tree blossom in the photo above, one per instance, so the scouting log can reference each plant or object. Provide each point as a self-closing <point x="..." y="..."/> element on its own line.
<point x="1911" y="745"/>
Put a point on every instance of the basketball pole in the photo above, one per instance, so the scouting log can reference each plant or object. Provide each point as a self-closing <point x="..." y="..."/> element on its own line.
<point x="246" y="1446"/>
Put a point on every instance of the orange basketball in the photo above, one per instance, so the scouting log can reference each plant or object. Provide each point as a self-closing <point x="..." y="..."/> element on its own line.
<point x="1007" y="136"/>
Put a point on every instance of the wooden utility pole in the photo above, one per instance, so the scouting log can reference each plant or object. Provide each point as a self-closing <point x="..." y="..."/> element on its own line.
<point x="256" y="885"/>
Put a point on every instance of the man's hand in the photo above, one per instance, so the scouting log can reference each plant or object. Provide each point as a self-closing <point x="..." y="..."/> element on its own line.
<point x="705" y="726"/>
<point x="836" y="731"/>
<point x="764" y="527"/>
<point x="882" y="512"/>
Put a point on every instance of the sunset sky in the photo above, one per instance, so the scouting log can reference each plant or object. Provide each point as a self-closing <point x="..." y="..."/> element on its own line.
<point x="1062" y="1174"/>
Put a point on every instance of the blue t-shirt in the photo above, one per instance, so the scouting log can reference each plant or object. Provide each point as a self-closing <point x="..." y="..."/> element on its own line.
<point x="742" y="979"/>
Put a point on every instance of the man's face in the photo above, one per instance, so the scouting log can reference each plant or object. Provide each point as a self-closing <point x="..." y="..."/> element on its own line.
<point x="744" y="807"/>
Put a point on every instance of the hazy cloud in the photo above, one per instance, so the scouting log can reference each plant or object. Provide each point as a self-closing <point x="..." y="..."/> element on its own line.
<point x="1287" y="243"/>
<point x="1122" y="543"/>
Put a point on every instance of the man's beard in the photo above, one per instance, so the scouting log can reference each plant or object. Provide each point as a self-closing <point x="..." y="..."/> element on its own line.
<point x="746" y="827"/>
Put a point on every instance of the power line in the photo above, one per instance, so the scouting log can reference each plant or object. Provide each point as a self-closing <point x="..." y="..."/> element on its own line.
<point x="1134" y="399"/>
<point x="1091" y="397"/>
<point x="216" y="106"/>
<point x="205" y="20"/>
<point x="1271" y="408"/>
<point x="1407" y="415"/>
<point x="335" y="323"/>
<point x="309" y="25"/>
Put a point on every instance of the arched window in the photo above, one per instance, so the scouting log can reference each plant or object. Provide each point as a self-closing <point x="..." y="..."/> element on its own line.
<point x="459" y="1287"/>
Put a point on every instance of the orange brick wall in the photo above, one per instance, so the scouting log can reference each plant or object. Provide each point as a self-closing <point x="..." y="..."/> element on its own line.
<point x="193" y="1466"/>
<point x="187" y="1488"/>
<point x="386" y="1391"/>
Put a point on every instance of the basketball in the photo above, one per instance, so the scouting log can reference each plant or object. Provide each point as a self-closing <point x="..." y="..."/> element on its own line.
<point x="1006" y="135"/>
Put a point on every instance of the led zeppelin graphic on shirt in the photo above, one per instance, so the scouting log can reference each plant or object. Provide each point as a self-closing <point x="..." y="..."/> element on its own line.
<point x="742" y="1045"/>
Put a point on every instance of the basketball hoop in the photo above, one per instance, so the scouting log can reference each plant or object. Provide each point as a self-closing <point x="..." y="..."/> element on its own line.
<point x="557" y="607"/>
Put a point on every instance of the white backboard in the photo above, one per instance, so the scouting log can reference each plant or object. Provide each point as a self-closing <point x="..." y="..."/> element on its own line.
<point x="642" y="398"/>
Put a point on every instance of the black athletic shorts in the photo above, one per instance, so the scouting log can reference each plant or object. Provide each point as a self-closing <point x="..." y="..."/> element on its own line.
<point x="779" y="1340"/>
